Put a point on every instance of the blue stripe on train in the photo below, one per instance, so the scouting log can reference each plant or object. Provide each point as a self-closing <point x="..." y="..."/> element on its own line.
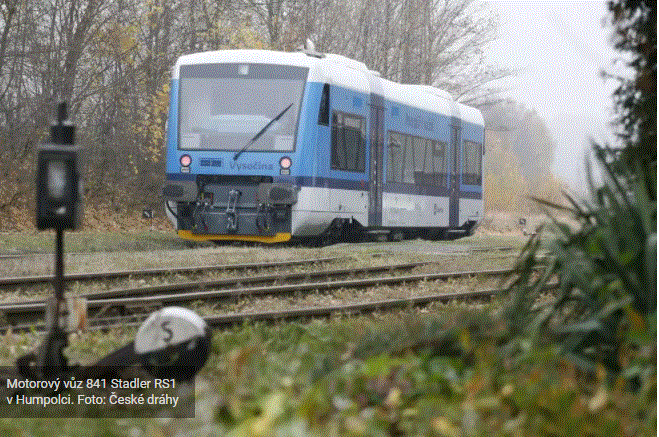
<point x="345" y="184"/>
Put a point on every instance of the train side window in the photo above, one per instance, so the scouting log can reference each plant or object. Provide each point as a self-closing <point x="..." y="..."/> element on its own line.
<point x="395" y="162"/>
<point x="416" y="160"/>
<point x="428" y="177"/>
<point x="472" y="164"/>
<point x="439" y="164"/>
<point x="348" y="148"/>
<point x="419" y="145"/>
<point x="324" y="109"/>
<point x="428" y="158"/>
<point x="408" y="167"/>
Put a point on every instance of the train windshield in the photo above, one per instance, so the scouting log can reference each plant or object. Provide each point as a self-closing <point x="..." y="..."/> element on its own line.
<point x="223" y="106"/>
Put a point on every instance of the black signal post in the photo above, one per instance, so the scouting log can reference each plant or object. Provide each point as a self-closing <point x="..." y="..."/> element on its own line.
<point x="173" y="342"/>
<point x="58" y="198"/>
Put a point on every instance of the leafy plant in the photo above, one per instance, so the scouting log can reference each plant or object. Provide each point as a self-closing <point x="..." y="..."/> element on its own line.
<point x="604" y="306"/>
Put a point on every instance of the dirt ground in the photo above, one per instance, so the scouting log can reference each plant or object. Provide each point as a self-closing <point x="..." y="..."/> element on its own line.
<point x="505" y="222"/>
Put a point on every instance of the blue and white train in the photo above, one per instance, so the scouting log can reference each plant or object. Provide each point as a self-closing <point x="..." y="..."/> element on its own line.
<point x="268" y="146"/>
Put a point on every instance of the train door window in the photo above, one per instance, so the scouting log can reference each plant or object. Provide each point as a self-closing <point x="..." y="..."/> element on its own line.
<point x="439" y="163"/>
<point x="471" y="170"/>
<point x="419" y="145"/>
<point x="408" y="166"/>
<point x="395" y="161"/>
<point x="428" y="158"/>
<point x="428" y="170"/>
<point x="324" y="109"/>
<point x="348" y="149"/>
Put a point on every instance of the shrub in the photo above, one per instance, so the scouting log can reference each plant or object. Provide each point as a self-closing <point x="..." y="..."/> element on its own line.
<point x="604" y="310"/>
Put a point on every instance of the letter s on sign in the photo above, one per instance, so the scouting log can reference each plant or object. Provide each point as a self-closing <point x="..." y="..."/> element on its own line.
<point x="168" y="332"/>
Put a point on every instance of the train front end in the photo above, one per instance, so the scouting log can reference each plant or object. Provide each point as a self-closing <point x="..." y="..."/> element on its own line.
<point x="231" y="145"/>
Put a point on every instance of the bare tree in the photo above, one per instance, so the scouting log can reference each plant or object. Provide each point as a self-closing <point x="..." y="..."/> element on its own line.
<point x="433" y="42"/>
<point x="111" y="60"/>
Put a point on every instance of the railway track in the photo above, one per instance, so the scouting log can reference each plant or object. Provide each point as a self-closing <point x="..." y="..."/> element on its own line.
<point x="49" y="256"/>
<point x="39" y="279"/>
<point x="220" y="321"/>
<point x="238" y="282"/>
<point x="125" y="307"/>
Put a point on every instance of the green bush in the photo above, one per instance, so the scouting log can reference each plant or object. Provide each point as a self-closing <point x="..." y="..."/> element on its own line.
<point x="604" y="307"/>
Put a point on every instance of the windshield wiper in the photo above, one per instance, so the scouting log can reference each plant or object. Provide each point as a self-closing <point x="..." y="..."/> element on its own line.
<point x="261" y="132"/>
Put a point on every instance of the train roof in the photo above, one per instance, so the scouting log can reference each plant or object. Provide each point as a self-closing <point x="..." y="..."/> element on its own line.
<point x="251" y="56"/>
<point x="345" y="72"/>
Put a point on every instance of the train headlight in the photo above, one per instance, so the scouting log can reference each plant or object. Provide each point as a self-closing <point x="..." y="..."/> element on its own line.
<point x="186" y="160"/>
<point x="285" y="164"/>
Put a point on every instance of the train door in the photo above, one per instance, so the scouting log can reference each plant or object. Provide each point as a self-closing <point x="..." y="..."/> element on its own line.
<point x="375" y="176"/>
<point x="377" y="149"/>
<point x="454" y="187"/>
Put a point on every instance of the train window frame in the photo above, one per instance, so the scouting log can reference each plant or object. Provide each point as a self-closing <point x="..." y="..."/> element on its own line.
<point x="230" y="70"/>
<point x="472" y="172"/>
<point x="340" y="127"/>
<point x="428" y="161"/>
<point x="439" y="150"/>
<point x="430" y="149"/>
<point x="397" y="143"/>
<point x="408" y="160"/>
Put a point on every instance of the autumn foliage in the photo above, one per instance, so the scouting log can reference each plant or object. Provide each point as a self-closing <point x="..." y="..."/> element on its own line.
<point x="111" y="62"/>
<point x="518" y="159"/>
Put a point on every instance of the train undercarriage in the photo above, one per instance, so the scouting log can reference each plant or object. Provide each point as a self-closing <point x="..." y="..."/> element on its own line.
<point x="236" y="208"/>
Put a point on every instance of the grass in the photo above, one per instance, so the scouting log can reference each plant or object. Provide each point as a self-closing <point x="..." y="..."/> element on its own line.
<point x="84" y="241"/>
<point x="438" y="372"/>
<point x="485" y="240"/>
<point x="113" y="241"/>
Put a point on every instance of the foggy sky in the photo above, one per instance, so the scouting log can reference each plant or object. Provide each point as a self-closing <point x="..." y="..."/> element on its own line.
<point x="560" y="49"/>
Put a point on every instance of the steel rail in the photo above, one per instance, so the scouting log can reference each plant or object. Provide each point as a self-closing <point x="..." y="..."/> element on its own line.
<point x="493" y="249"/>
<point x="288" y="288"/>
<point x="229" y="282"/>
<point x="102" y="305"/>
<point x="323" y="311"/>
<point x="227" y="320"/>
<point x="24" y="280"/>
<point x="356" y="308"/>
